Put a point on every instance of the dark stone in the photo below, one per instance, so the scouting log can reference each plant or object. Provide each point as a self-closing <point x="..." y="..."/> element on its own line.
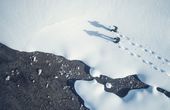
<point x="122" y="86"/>
<point x="167" y="93"/>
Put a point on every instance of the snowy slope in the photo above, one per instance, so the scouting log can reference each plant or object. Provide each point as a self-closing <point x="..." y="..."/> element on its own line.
<point x="58" y="26"/>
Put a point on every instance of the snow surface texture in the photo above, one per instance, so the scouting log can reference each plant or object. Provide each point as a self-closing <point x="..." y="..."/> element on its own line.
<point x="61" y="27"/>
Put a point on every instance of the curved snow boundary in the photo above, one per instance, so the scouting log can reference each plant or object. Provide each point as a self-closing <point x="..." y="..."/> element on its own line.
<point x="36" y="25"/>
<point x="98" y="99"/>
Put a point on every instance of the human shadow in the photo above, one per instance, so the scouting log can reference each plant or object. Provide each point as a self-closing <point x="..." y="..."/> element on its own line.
<point x="99" y="25"/>
<point x="97" y="34"/>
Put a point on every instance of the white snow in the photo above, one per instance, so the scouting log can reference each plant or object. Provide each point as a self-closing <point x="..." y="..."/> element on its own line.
<point x="95" y="73"/>
<point x="39" y="71"/>
<point x="109" y="85"/>
<point x="47" y="85"/>
<point x="33" y="81"/>
<point x="57" y="26"/>
<point x="7" y="78"/>
<point x="56" y="77"/>
<point x="98" y="99"/>
<point x="35" y="59"/>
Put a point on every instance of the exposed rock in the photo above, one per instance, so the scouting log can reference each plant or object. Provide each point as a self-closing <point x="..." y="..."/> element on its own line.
<point x="121" y="86"/>
<point x="167" y="93"/>
<point x="28" y="82"/>
<point x="44" y="81"/>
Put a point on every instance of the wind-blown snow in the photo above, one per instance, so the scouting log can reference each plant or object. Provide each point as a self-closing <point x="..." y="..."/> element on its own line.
<point x="58" y="26"/>
<point x="98" y="99"/>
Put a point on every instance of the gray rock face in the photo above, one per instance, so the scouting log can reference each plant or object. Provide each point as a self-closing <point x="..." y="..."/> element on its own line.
<point x="39" y="81"/>
<point x="121" y="86"/>
<point x="44" y="81"/>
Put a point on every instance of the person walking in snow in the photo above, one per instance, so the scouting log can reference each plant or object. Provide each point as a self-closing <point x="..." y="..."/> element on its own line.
<point x="114" y="29"/>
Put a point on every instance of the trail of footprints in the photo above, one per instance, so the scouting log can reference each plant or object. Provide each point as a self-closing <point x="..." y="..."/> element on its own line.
<point x="164" y="60"/>
<point x="117" y="35"/>
<point x="143" y="60"/>
<point x="156" y="56"/>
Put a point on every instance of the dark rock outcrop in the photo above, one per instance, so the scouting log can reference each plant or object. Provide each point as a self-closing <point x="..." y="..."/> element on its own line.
<point x="167" y="93"/>
<point x="44" y="81"/>
<point x="121" y="86"/>
<point x="39" y="81"/>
